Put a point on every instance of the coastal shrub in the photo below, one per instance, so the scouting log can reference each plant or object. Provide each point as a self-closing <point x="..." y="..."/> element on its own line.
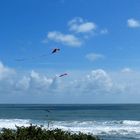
<point x="38" y="133"/>
<point x="7" y="134"/>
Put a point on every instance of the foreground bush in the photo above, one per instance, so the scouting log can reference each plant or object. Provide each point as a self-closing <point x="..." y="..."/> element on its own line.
<point x="38" y="133"/>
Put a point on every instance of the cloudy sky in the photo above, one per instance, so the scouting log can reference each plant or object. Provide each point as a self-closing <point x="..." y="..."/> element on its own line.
<point x="99" y="44"/>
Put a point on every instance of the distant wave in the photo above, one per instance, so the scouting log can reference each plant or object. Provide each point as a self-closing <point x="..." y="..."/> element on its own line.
<point x="117" y="128"/>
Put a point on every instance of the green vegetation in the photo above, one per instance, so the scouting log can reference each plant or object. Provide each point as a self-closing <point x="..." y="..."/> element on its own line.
<point x="38" y="133"/>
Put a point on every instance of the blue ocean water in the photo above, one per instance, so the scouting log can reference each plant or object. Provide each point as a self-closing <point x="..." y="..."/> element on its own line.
<point x="108" y="121"/>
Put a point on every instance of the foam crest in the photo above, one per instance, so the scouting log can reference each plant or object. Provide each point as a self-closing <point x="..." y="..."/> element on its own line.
<point x="12" y="123"/>
<point x="124" y="128"/>
<point x="129" y="122"/>
<point x="118" y="128"/>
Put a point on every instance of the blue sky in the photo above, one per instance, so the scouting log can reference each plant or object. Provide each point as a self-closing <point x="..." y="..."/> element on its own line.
<point x="99" y="49"/>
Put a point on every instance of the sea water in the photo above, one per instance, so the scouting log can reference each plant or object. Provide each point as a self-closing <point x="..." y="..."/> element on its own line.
<point x="108" y="121"/>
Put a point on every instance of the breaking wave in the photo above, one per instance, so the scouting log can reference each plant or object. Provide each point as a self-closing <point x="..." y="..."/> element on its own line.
<point x="117" y="128"/>
<point x="12" y="123"/>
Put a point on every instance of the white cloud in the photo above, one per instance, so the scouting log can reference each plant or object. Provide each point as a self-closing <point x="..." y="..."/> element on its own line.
<point x="83" y="28"/>
<point x="35" y="83"/>
<point x="5" y="71"/>
<point x="99" y="81"/>
<point x="79" y="25"/>
<point x="94" y="56"/>
<point x="11" y="82"/>
<point x="92" y="86"/>
<point x="6" y="79"/>
<point x="23" y="83"/>
<point x="126" y="70"/>
<point x="104" y="31"/>
<point x="66" y="39"/>
<point x="133" y="23"/>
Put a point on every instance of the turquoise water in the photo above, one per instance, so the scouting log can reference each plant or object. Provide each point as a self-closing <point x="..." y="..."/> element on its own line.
<point x="108" y="121"/>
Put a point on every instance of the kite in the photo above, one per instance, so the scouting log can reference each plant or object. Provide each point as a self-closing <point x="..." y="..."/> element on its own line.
<point x="63" y="75"/>
<point x="55" y="50"/>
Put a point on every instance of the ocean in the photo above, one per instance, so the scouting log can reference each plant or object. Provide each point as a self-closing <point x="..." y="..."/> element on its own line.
<point x="108" y="121"/>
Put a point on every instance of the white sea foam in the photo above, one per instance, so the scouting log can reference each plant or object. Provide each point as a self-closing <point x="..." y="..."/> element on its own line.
<point x="12" y="123"/>
<point x="132" y="123"/>
<point x="119" y="128"/>
<point x="124" y="128"/>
